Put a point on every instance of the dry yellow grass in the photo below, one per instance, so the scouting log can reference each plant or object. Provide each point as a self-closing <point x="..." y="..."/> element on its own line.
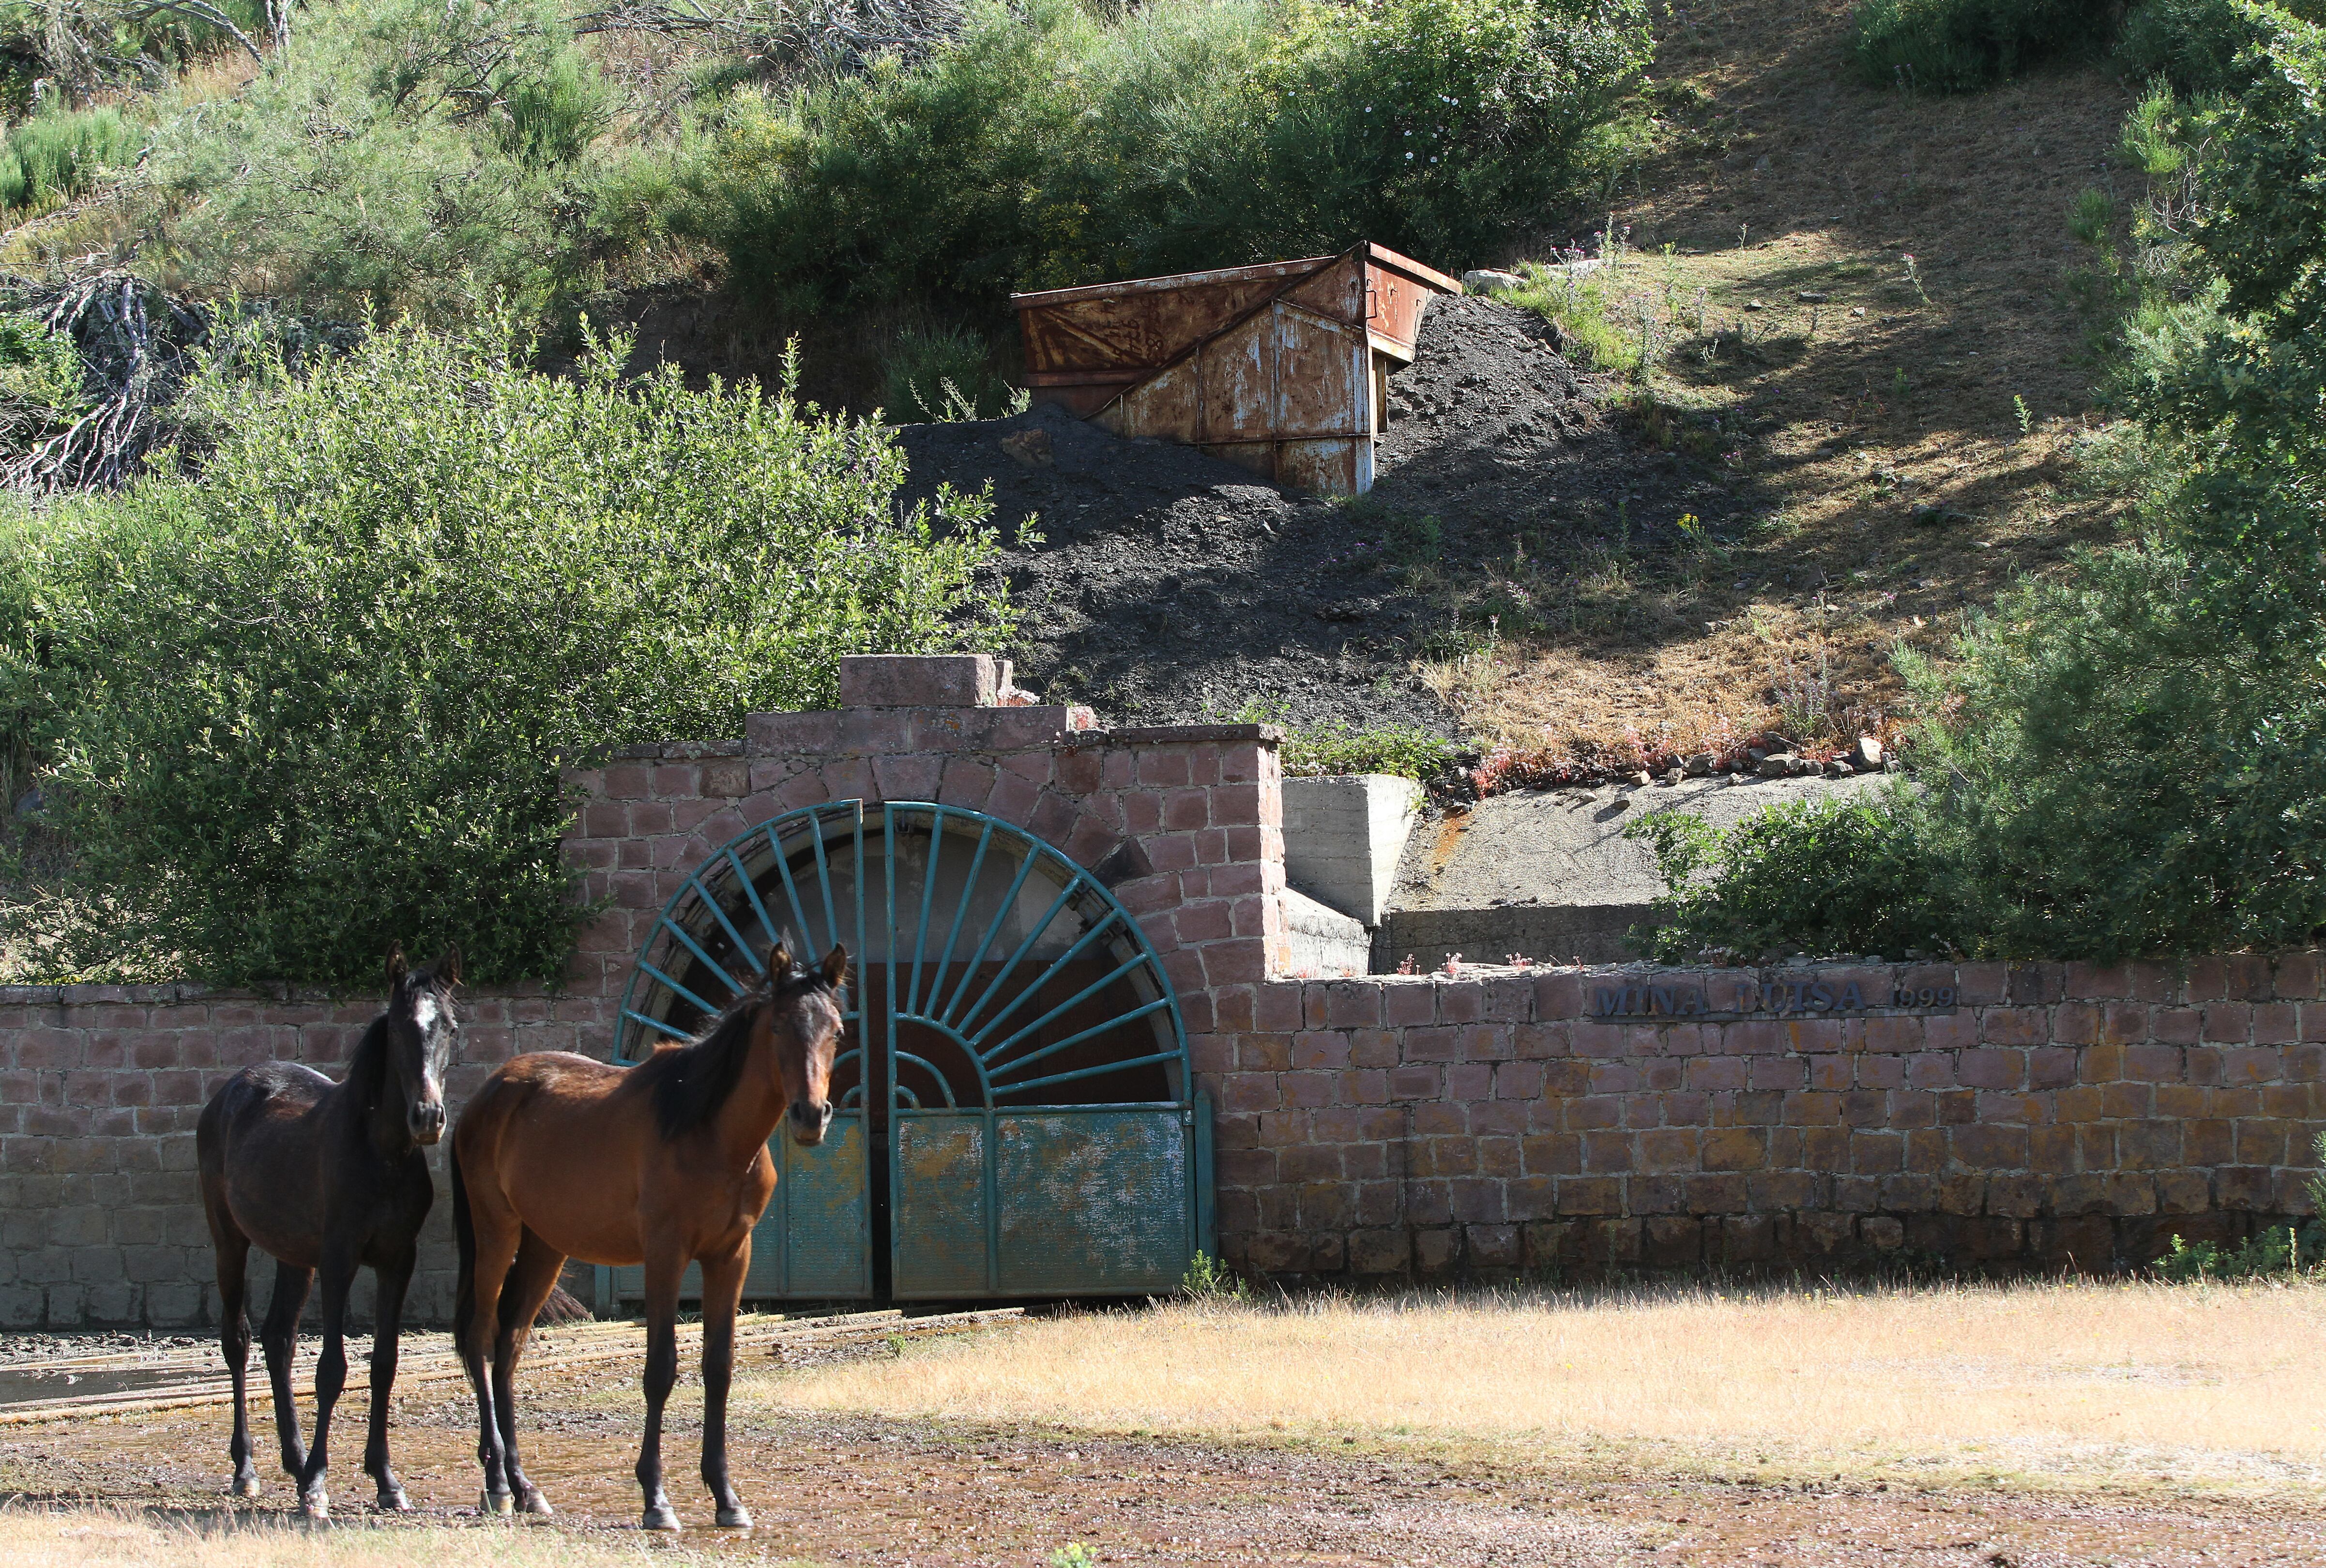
<point x="2068" y="1384"/>
<point x="100" y="1537"/>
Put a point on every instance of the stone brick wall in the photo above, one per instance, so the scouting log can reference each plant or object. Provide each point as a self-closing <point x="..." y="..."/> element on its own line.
<point x="100" y="1086"/>
<point x="2059" y="1114"/>
<point x="1494" y="1122"/>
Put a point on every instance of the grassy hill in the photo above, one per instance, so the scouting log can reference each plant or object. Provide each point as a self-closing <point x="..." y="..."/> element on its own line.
<point x="1850" y="308"/>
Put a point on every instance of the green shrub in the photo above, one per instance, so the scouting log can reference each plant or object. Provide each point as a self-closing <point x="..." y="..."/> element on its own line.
<point x="411" y="158"/>
<point x="2203" y="46"/>
<point x="944" y="373"/>
<point x="1048" y="146"/>
<point x="2275" y="1252"/>
<point x="1400" y="749"/>
<point x="554" y="112"/>
<point x="318" y="697"/>
<point x="59" y="156"/>
<point x="1330" y="748"/>
<point x="1963" y="46"/>
<point x="1856" y="875"/>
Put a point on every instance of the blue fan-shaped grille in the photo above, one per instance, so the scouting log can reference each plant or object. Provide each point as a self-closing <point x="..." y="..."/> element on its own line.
<point x="993" y="972"/>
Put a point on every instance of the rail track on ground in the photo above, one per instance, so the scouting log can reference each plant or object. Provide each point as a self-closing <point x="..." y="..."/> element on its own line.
<point x="135" y="1382"/>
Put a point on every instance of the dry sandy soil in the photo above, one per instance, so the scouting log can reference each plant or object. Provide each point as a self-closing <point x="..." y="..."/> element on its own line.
<point x="1983" y="1427"/>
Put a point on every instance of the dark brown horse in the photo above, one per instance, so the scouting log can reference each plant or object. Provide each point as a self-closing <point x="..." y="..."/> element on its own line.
<point x="665" y="1163"/>
<point x="326" y="1177"/>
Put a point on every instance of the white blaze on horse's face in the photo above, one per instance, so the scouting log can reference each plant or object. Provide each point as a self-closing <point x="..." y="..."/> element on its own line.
<point x="436" y="1027"/>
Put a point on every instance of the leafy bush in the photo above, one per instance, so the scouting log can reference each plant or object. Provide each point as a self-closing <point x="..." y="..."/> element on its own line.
<point x="417" y="157"/>
<point x="56" y="156"/>
<point x="944" y="373"/>
<point x="1398" y="749"/>
<point x="2275" y="1252"/>
<point x="1333" y="748"/>
<point x="2201" y="46"/>
<point x="1963" y="46"/>
<point x="1848" y="875"/>
<point x="318" y="697"/>
<point x="1046" y="146"/>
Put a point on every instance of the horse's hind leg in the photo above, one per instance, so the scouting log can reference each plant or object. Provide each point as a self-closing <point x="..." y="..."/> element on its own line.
<point x="496" y="1243"/>
<point x="394" y="1280"/>
<point x="663" y="1268"/>
<point x="232" y="1249"/>
<point x="278" y="1337"/>
<point x="722" y="1291"/>
<point x="530" y="1279"/>
<point x="330" y="1377"/>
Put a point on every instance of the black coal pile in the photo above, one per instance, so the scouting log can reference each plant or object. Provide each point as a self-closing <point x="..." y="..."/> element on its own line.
<point x="1169" y="586"/>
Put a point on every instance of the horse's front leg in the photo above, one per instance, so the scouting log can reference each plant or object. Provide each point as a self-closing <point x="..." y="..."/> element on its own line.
<point x="662" y="1267"/>
<point x="723" y="1289"/>
<point x="394" y="1280"/>
<point x="278" y="1337"/>
<point x="330" y="1377"/>
<point x="234" y="1335"/>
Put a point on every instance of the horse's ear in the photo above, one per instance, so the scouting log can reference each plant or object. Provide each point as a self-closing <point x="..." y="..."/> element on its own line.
<point x="396" y="967"/>
<point x="835" y="967"/>
<point x="779" y="963"/>
<point x="447" y="967"/>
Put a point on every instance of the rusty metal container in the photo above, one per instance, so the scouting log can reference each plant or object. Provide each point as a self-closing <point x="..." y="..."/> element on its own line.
<point x="1281" y="368"/>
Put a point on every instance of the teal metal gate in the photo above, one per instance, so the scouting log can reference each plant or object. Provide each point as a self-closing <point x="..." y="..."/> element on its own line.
<point x="1015" y="1116"/>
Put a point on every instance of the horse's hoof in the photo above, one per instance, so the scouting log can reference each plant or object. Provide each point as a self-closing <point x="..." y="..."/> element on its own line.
<point x="246" y="1486"/>
<point x="738" y="1518"/>
<point x="492" y="1503"/>
<point x="315" y="1505"/>
<point x="393" y="1500"/>
<point x="661" y="1517"/>
<point x="531" y="1501"/>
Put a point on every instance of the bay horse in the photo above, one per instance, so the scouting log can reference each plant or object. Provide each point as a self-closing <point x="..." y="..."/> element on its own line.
<point x="326" y="1177"/>
<point x="663" y="1164"/>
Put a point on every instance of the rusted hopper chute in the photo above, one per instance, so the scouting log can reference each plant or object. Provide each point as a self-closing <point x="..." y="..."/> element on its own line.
<point x="1281" y="368"/>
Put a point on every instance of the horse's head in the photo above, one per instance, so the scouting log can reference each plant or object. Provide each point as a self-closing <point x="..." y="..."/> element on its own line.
<point x="420" y="1034"/>
<point x="802" y="1023"/>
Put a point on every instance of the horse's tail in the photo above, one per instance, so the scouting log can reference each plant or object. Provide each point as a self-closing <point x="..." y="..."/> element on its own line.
<point x="464" y="1244"/>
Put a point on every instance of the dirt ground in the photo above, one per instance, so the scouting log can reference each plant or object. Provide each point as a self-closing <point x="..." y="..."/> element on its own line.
<point x="859" y="1490"/>
<point x="844" y="1487"/>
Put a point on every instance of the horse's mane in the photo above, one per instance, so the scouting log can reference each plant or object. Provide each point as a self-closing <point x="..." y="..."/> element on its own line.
<point x="693" y="1081"/>
<point x="367" y="1063"/>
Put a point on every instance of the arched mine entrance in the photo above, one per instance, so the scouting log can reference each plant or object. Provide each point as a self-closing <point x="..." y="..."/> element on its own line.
<point x="1016" y="1114"/>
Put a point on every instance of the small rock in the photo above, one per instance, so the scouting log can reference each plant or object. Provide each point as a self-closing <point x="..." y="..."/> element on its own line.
<point x="1673" y="775"/>
<point x="1028" y="448"/>
<point x="1840" y="767"/>
<point x="1641" y="778"/>
<point x="1755" y="755"/>
<point x="1779" y="766"/>
<point x="1754" y="305"/>
<point x="1803" y="767"/>
<point x="1700" y="766"/>
<point x="1487" y="280"/>
<point x="1810" y="296"/>
<point x="1866" y="755"/>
